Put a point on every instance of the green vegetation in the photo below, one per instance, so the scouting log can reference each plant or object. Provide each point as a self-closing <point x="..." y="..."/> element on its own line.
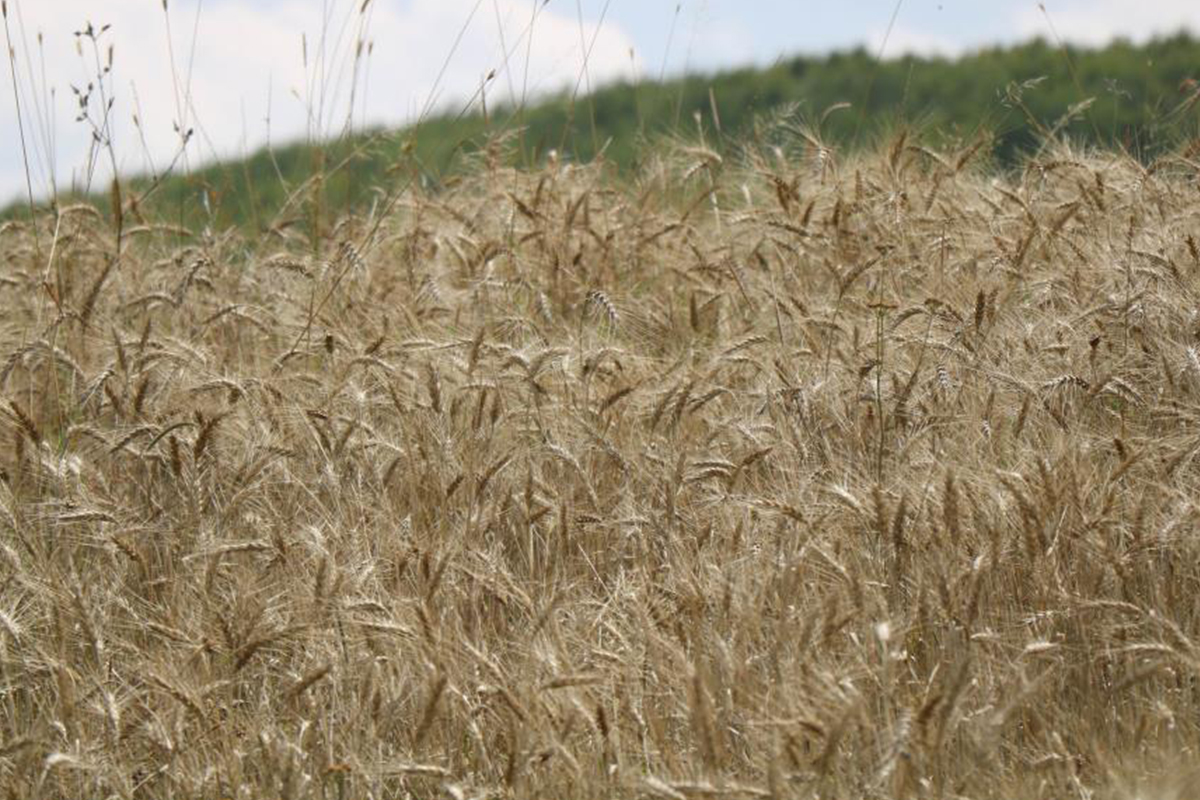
<point x="1132" y="98"/>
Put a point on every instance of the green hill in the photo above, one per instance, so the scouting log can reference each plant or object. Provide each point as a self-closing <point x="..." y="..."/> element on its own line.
<point x="1139" y="98"/>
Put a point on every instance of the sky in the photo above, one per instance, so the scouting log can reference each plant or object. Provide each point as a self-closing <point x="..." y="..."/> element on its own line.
<point x="242" y="73"/>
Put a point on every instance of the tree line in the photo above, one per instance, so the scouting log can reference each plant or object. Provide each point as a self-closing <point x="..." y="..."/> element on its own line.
<point x="1138" y="98"/>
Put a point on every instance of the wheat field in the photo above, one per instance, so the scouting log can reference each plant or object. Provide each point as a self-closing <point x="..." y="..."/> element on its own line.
<point x="789" y="474"/>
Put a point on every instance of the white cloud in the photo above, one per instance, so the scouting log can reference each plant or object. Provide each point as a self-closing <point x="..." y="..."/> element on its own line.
<point x="705" y="38"/>
<point x="910" y="41"/>
<point x="248" y="58"/>
<point x="1096" y="22"/>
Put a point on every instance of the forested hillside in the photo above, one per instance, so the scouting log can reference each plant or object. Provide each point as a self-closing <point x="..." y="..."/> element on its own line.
<point x="1134" y="98"/>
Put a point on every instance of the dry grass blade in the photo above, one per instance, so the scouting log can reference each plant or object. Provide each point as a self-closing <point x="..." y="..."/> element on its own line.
<point x="839" y="474"/>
